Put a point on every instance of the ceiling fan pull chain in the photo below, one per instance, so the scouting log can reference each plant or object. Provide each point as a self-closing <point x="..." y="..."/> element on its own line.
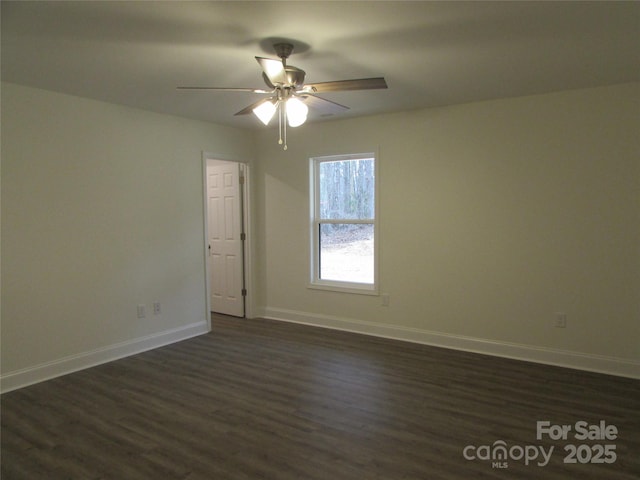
<point x="279" y="123"/>
<point x="284" y="124"/>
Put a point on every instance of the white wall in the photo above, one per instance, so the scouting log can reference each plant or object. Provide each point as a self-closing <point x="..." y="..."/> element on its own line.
<point x="102" y="210"/>
<point x="494" y="216"/>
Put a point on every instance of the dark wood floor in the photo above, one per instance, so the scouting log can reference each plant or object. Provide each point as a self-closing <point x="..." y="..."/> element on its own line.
<point x="258" y="399"/>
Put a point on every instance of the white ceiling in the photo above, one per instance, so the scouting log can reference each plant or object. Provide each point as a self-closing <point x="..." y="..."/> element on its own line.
<point x="431" y="53"/>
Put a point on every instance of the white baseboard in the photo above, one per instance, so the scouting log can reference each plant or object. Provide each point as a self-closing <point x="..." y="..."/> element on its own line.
<point x="560" y="358"/>
<point x="73" y="363"/>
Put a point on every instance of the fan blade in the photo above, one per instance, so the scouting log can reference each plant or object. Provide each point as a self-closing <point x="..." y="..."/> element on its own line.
<point x="267" y="81"/>
<point x="251" y="90"/>
<point x="274" y="70"/>
<point x="344" y="85"/>
<point x="322" y="105"/>
<point x="250" y="108"/>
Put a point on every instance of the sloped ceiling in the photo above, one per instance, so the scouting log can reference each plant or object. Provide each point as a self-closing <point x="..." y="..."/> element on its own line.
<point x="431" y="53"/>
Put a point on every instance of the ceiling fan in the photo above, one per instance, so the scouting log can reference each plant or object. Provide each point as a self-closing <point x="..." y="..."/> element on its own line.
<point x="289" y="96"/>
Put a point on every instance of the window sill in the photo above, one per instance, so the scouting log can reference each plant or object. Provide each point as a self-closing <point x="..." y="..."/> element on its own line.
<point x="345" y="287"/>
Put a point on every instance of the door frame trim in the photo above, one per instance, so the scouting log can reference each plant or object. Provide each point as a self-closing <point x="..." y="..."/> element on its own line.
<point x="246" y="225"/>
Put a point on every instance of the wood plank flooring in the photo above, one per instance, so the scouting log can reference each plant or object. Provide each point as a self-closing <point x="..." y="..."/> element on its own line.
<point x="259" y="399"/>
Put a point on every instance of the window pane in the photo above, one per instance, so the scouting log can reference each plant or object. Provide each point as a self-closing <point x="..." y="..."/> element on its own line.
<point x="346" y="252"/>
<point x="347" y="189"/>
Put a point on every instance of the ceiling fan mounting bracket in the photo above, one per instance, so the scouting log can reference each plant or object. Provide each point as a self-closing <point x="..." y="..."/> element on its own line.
<point x="283" y="50"/>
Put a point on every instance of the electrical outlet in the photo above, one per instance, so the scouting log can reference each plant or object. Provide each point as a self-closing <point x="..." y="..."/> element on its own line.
<point x="142" y="311"/>
<point x="156" y="308"/>
<point x="385" y="299"/>
<point x="561" y="320"/>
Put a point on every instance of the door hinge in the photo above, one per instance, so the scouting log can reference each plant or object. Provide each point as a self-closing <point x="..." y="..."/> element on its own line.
<point x="241" y="180"/>
<point x="243" y="236"/>
<point x="244" y="292"/>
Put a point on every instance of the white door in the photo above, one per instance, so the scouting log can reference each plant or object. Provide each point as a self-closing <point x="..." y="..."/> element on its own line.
<point x="226" y="269"/>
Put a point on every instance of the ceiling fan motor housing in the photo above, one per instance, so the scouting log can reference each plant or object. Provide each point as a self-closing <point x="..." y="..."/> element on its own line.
<point x="295" y="76"/>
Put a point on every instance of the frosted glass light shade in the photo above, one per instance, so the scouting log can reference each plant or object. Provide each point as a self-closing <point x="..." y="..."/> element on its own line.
<point x="296" y="112"/>
<point x="265" y="111"/>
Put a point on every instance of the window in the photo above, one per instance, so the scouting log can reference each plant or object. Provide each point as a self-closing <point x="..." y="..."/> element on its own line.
<point x="343" y="226"/>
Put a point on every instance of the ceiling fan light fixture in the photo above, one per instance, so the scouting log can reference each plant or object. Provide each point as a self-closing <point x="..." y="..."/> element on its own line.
<point x="296" y="112"/>
<point x="265" y="111"/>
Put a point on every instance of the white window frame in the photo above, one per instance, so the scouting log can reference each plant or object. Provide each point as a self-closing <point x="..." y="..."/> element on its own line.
<point x="314" y="200"/>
